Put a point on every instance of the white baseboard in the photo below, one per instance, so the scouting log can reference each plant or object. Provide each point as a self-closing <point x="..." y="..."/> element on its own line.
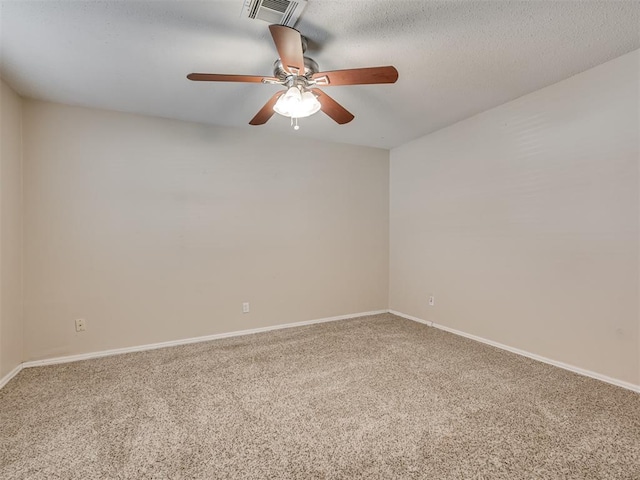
<point x="4" y="380"/>
<point x="185" y="341"/>
<point x="555" y="363"/>
<point x="409" y="317"/>
<point x="153" y="346"/>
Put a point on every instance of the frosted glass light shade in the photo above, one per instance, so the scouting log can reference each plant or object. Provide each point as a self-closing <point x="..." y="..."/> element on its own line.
<point x="296" y="104"/>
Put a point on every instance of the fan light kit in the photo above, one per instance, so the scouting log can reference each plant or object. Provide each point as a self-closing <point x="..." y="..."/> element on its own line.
<point x="301" y="78"/>
<point x="297" y="104"/>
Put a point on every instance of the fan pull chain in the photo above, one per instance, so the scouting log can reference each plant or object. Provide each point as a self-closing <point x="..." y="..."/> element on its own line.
<point x="294" y="123"/>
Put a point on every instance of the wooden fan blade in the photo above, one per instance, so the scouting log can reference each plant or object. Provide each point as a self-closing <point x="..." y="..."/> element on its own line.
<point x="332" y="108"/>
<point x="266" y="112"/>
<point x="357" y="76"/>
<point x="289" y="46"/>
<point x="215" y="77"/>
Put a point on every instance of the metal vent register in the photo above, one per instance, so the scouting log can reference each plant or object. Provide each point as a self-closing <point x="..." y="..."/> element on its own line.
<point x="280" y="12"/>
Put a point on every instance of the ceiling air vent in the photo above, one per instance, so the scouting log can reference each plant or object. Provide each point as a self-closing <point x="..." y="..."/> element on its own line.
<point x="281" y="12"/>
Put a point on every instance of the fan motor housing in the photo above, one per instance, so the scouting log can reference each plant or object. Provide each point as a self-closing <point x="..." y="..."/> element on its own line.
<point x="310" y="67"/>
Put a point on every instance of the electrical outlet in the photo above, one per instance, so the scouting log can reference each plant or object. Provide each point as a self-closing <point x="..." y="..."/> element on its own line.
<point x="81" y="326"/>
<point x="245" y="307"/>
<point x="432" y="300"/>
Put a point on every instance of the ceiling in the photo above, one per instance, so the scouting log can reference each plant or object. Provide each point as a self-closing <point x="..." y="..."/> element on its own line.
<point x="455" y="58"/>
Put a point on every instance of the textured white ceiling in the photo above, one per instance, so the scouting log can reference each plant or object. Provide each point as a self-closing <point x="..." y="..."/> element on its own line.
<point x="455" y="58"/>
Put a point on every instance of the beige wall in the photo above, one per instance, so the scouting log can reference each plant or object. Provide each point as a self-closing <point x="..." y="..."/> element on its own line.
<point x="155" y="230"/>
<point x="523" y="223"/>
<point x="10" y="230"/>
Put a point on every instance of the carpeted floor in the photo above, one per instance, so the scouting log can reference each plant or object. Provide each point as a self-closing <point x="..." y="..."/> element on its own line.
<point x="373" y="398"/>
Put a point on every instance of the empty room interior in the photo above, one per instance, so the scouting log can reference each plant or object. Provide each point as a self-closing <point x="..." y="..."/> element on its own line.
<point x="322" y="239"/>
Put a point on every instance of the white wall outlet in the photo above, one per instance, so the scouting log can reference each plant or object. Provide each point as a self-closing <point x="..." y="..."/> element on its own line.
<point x="245" y="307"/>
<point x="81" y="326"/>
<point x="432" y="300"/>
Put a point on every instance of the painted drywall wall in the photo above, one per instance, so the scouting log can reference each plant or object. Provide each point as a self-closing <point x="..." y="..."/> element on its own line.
<point x="155" y="230"/>
<point x="523" y="223"/>
<point x="10" y="230"/>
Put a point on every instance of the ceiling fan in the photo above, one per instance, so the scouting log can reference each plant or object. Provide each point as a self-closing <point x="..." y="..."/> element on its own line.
<point x="301" y="79"/>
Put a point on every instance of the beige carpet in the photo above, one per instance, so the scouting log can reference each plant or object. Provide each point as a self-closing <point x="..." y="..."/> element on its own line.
<point x="373" y="398"/>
